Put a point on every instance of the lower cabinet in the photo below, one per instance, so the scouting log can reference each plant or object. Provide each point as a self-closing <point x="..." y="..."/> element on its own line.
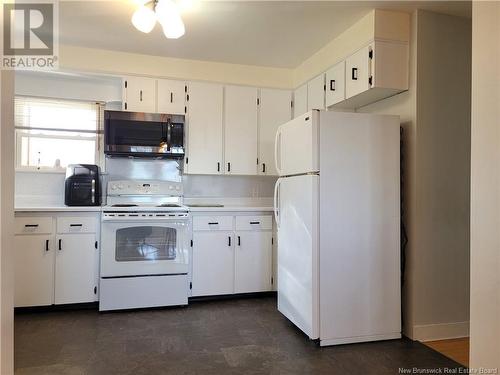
<point x="253" y="261"/>
<point x="56" y="260"/>
<point x="75" y="277"/>
<point x="33" y="270"/>
<point x="213" y="263"/>
<point x="231" y="254"/>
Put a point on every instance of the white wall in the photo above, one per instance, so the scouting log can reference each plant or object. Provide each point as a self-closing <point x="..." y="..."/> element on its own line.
<point x="76" y="87"/>
<point x="485" y="187"/>
<point x="6" y="222"/>
<point x="79" y="59"/>
<point x="435" y="115"/>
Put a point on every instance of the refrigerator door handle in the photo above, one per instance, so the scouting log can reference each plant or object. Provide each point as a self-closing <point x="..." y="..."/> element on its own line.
<point x="277" y="146"/>
<point x="276" y="203"/>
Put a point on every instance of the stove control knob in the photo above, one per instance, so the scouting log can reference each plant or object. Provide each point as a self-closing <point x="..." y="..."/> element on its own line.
<point x="177" y="188"/>
<point x="113" y="187"/>
<point x="120" y="186"/>
<point x="171" y="187"/>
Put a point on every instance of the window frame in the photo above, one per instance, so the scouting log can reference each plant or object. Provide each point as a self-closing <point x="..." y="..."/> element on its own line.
<point x="97" y="138"/>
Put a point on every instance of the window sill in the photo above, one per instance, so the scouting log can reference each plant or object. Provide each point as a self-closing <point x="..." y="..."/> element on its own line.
<point x="44" y="170"/>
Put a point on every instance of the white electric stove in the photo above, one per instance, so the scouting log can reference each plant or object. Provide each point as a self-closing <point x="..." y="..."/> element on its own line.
<point x="144" y="245"/>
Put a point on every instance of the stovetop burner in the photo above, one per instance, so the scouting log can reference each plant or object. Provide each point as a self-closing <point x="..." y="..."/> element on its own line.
<point x="124" y="205"/>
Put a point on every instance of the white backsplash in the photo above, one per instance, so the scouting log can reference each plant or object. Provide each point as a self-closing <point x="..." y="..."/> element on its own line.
<point x="39" y="188"/>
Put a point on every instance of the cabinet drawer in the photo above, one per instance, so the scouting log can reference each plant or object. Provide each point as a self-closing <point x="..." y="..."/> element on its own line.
<point x="75" y="224"/>
<point x="254" y="222"/>
<point x="33" y="225"/>
<point x="212" y="223"/>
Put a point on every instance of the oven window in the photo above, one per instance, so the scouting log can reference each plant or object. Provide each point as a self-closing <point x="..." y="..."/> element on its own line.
<point x="146" y="243"/>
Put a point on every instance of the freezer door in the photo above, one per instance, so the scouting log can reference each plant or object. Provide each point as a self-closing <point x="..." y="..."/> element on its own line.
<point x="298" y="263"/>
<point x="296" y="146"/>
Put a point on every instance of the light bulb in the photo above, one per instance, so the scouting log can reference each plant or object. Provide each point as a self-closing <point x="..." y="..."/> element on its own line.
<point x="168" y="16"/>
<point x="144" y="19"/>
<point x="187" y="5"/>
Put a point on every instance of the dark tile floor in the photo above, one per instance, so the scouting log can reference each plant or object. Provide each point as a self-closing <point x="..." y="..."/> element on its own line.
<point x="245" y="336"/>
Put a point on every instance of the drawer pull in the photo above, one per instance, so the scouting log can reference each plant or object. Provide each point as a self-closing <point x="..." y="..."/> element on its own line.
<point x="46" y="245"/>
<point x="31" y="225"/>
<point x="76" y="225"/>
<point x="255" y="222"/>
<point x="214" y="223"/>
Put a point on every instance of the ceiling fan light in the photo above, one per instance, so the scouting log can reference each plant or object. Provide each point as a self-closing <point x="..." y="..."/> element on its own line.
<point x="173" y="28"/>
<point x="144" y="19"/>
<point x="170" y="19"/>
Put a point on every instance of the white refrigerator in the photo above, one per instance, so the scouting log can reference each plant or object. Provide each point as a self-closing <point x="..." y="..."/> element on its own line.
<point x="337" y="209"/>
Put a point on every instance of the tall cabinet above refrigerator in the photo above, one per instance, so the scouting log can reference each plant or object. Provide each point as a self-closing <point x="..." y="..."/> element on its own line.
<point x="337" y="207"/>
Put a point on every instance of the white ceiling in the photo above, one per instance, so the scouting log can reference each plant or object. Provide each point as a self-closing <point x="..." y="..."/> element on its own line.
<point x="266" y="33"/>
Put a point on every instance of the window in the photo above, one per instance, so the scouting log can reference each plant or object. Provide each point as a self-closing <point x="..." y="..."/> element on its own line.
<point x="52" y="133"/>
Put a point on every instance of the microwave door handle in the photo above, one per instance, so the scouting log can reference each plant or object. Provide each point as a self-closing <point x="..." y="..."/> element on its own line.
<point x="169" y="135"/>
<point x="93" y="191"/>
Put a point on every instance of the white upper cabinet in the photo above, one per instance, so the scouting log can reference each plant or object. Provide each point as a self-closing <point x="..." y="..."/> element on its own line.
<point x="300" y="100"/>
<point x="358" y="67"/>
<point x="377" y="71"/>
<point x="275" y="109"/>
<point x="335" y="84"/>
<point x="139" y="94"/>
<point x="240" y="124"/>
<point x="171" y="96"/>
<point x="316" y="93"/>
<point x="204" y="129"/>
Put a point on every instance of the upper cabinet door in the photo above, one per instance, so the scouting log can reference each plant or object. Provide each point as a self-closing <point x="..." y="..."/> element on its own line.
<point x="171" y="97"/>
<point x="316" y="93"/>
<point x="204" y="124"/>
<point x="275" y="109"/>
<point x="300" y="100"/>
<point x="240" y="124"/>
<point x="357" y="72"/>
<point x="139" y="94"/>
<point x="335" y="84"/>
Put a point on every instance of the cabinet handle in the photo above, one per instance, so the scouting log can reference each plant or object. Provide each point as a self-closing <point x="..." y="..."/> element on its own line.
<point x="218" y="166"/>
<point x="229" y="241"/>
<point x="239" y="241"/>
<point x="354" y="74"/>
<point x="31" y="225"/>
<point x="60" y="244"/>
<point x="229" y="167"/>
<point x="171" y="97"/>
<point x="46" y="245"/>
<point x="255" y="222"/>
<point x="332" y="85"/>
<point x="76" y="225"/>
<point x="140" y="95"/>
<point x="214" y="223"/>
<point x="263" y="167"/>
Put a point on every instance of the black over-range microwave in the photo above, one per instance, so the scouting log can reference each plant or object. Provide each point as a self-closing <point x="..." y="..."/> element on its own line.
<point x="143" y="134"/>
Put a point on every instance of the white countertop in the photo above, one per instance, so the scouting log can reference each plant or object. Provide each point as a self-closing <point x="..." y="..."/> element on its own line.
<point x="44" y="208"/>
<point x="229" y="205"/>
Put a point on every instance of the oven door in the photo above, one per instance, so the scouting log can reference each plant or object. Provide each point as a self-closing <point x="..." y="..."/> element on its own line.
<point x="151" y="247"/>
